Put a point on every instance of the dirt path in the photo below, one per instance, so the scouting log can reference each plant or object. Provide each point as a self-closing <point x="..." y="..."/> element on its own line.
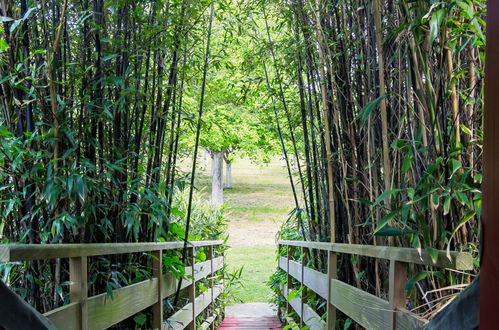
<point x="247" y="233"/>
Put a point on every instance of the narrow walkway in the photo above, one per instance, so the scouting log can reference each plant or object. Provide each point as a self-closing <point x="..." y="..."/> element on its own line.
<point x="250" y="316"/>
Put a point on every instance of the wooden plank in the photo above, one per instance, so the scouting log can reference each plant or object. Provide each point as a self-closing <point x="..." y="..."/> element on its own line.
<point x="204" y="299"/>
<point x="65" y="317"/>
<point x="288" y="279"/>
<point x="191" y="289"/>
<point x="4" y="253"/>
<point x="314" y="280"/>
<point x="458" y="260"/>
<point x="289" y="320"/>
<point x="208" y="322"/>
<point x="396" y="289"/>
<point x="364" y="308"/>
<point x="304" y="290"/>
<point x="206" y="243"/>
<point x="211" y="256"/>
<point x="182" y="318"/>
<point x="409" y="321"/>
<point x="78" y="290"/>
<point x="24" y="252"/>
<point x="332" y="266"/>
<point x="309" y="316"/>
<point x="104" y="311"/>
<point x="202" y="269"/>
<point x="170" y="283"/>
<point x="157" y="272"/>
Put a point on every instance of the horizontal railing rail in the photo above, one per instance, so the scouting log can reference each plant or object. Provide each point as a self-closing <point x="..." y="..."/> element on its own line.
<point x="25" y="252"/>
<point x="368" y="310"/>
<point x="102" y="311"/>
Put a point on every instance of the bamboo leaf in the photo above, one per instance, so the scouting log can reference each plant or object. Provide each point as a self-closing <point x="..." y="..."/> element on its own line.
<point x="384" y="221"/>
<point x="455" y="166"/>
<point x="391" y="231"/>
<point x="384" y="195"/>
<point x="406" y="164"/>
<point x="435" y="22"/>
<point x="367" y="110"/>
<point x="447" y="201"/>
<point x="433" y="253"/>
<point x="462" y="222"/>
<point x="421" y="275"/>
<point x="466" y="9"/>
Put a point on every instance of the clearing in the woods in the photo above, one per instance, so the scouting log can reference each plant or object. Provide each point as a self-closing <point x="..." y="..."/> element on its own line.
<point x="256" y="206"/>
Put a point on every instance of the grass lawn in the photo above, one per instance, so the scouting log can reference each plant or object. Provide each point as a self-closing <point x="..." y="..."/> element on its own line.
<point x="258" y="193"/>
<point x="258" y="264"/>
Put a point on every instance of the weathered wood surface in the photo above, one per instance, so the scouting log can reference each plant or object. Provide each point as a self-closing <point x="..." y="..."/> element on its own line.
<point x="208" y="322"/>
<point x="183" y="317"/>
<point x="308" y="315"/>
<point x="409" y="321"/>
<point x="458" y="260"/>
<point x="105" y="311"/>
<point x="396" y="288"/>
<point x="314" y="280"/>
<point x="65" y="317"/>
<point x="102" y="311"/>
<point x="332" y="269"/>
<point x="78" y="288"/>
<point x="157" y="272"/>
<point x="366" y="309"/>
<point x="370" y="311"/>
<point x="24" y="252"/>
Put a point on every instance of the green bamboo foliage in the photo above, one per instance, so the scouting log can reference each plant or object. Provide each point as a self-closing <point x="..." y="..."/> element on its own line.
<point x="90" y="117"/>
<point x="396" y="87"/>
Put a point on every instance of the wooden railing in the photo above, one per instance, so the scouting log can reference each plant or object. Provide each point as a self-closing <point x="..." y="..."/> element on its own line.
<point x="102" y="311"/>
<point x="368" y="310"/>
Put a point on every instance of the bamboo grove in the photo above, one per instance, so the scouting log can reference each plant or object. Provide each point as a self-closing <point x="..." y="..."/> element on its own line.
<point x="376" y="106"/>
<point x="388" y="99"/>
<point x="91" y="118"/>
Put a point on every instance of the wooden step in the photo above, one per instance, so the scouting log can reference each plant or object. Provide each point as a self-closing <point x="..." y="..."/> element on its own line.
<point x="250" y="322"/>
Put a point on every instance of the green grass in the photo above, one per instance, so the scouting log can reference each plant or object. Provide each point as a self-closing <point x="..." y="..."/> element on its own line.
<point x="258" y="264"/>
<point x="256" y="213"/>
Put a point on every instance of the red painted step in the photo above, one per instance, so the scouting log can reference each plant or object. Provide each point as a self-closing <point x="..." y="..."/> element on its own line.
<point x="250" y="322"/>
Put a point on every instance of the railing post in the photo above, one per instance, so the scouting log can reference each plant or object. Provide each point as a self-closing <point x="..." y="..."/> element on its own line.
<point x="192" y="289"/>
<point x="157" y="272"/>
<point x="211" y="254"/>
<point x="396" y="290"/>
<point x="288" y="281"/>
<point x="331" y="274"/>
<point x="304" y="252"/>
<point x="78" y="289"/>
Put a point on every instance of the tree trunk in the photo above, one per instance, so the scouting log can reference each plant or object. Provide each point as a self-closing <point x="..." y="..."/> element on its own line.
<point x="228" y="174"/>
<point x="206" y="154"/>
<point x="217" y="170"/>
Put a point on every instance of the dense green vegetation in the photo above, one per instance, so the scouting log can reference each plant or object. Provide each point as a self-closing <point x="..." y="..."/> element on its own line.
<point x="376" y="107"/>
<point x="390" y="99"/>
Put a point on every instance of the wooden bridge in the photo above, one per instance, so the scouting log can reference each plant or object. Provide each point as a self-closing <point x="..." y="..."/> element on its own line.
<point x="364" y="308"/>
<point x="101" y="312"/>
